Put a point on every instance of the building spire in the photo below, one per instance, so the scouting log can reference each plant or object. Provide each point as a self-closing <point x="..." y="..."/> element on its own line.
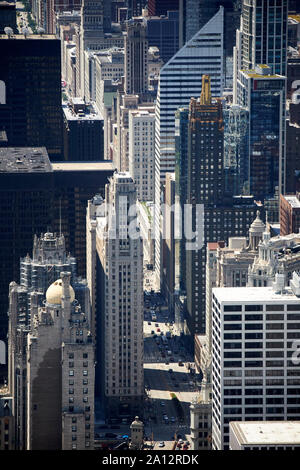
<point x="205" y="98"/>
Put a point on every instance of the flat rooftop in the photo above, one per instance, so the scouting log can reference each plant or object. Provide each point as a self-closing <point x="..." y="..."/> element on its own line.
<point x="267" y="432"/>
<point x="293" y="201"/>
<point x="24" y="160"/>
<point x="87" y="113"/>
<point x="106" y="165"/>
<point x="238" y="295"/>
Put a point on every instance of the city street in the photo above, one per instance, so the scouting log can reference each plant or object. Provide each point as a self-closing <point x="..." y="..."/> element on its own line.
<point x="164" y="376"/>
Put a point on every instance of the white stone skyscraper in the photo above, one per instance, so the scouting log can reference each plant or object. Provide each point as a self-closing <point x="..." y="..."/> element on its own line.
<point x="180" y="80"/>
<point x="255" y="365"/>
<point x="115" y="277"/>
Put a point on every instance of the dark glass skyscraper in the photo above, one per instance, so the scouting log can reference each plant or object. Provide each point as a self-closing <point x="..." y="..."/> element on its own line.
<point x="264" y="30"/>
<point x="30" y="104"/>
<point x="263" y="95"/>
<point x="222" y="215"/>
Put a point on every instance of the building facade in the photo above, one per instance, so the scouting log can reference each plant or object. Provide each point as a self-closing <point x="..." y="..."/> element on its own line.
<point x="115" y="277"/>
<point x="30" y="109"/>
<point x="136" y="57"/>
<point x="142" y="151"/>
<point x="178" y="82"/>
<point x="253" y="374"/>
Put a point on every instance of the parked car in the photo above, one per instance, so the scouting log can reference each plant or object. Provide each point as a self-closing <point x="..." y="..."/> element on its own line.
<point x="161" y="444"/>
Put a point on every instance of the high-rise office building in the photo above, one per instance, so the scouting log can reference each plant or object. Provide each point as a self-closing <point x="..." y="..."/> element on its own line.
<point x="215" y="215"/>
<point x="263" y="94"/>
<point x="95" y="22"/>
<point x="30" y="103"/>
<point x="179" y="80"/>
<point x="194" y="14"/>
<point x="49" y="259"/>
<point x="264" y="34"/>
<point x="254" y="375"/>
<point x="52" y="370"/>
<point x="181" y="172"/>
<point x="262" y="38"/>
<point x="136" y="57"/>
<point x="142" y="151"/>
<point x="83" y="131"/>
<point x="163" y="32"/>
<point x="115" y="278"/>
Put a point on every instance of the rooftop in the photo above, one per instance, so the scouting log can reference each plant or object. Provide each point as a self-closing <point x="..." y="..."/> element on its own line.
<point x="78" y="110"/>
<point x="238" y="295"/>
<point x="106" y="165"/>
<point x="267" y="432"/>
<point x="293" y="201"/>
<point x="24" y="160"/>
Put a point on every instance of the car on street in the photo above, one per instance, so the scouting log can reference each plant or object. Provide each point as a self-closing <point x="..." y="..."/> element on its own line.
<point x="173" y="419"/>
<point x="162" y="403"/>
<point x="161" y="444"/>
<point x="149" y="322"/>
<point x="156" y="324"/>
<point x="158" y="330"/>
<point x="152" y="332"/>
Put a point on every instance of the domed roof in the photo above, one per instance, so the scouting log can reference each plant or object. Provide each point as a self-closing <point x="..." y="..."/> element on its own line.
<point x="257" y="225"/>
<point x="55" y="291"/>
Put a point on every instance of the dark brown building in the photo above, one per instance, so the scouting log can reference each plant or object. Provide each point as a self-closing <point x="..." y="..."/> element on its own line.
<point x="289" y="214"/>
<point x="219" y="216"/>
<point x="161" y="7"/>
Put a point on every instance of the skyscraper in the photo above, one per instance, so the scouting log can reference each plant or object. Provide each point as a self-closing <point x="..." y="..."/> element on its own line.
<point x="30" y="103"/>
<point x="163" y="32"/>
<point x="262" y="38"/>
<point x="194" y="14"/>
<point x="264" y="33"/>
<point x="115" y="278"/>
<point x="221" y="215"/>
<point x="136" y="57"/>
<point x="254" y="376"/>
<point x="179" y="80"/>
<point x="263" y="94"/>
<point x="95" y="22"/>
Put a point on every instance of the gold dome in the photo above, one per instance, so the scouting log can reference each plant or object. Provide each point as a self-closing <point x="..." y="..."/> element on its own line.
<point x="55" y="291"/>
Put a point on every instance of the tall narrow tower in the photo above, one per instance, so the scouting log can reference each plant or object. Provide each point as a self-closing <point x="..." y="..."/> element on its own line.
<point x="136" y="50"/>
<point x="115" y="257"/>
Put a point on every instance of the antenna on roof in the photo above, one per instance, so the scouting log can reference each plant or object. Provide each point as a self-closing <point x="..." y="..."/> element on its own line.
<point x="9" y="31"/>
